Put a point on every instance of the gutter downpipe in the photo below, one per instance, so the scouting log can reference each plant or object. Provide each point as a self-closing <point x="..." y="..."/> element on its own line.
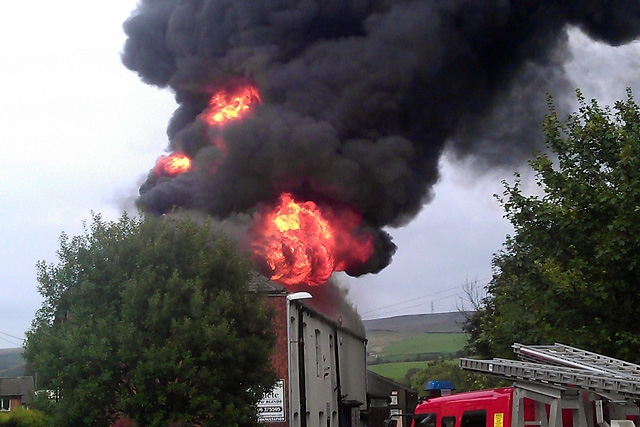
<point x="338" y="385"/>
<point x="301" y="370"/>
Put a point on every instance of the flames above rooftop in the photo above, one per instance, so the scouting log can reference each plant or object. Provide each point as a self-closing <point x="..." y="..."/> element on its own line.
<point x="348" y="105"/>
<point x="293" y="241"/>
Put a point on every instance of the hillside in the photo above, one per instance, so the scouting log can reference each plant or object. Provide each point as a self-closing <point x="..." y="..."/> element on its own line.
<point x="417" y="323"/>
<point x="397" y="344"/>
<point x="11" y="362"/>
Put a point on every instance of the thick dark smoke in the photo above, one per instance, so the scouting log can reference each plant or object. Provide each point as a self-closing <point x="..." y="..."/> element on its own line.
<point x="360" y="97"/>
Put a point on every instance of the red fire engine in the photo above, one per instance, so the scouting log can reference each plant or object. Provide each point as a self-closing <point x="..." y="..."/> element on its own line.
<point x="554" y="386"/>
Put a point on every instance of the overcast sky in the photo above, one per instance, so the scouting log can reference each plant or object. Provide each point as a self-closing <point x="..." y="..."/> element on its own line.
<point x="80" y="132"/>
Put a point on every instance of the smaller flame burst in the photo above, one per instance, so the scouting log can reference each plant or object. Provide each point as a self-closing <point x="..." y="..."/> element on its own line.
<point x="223" y="107"/>
<point x="172" y="165"/>
<point x="300" y="242"/>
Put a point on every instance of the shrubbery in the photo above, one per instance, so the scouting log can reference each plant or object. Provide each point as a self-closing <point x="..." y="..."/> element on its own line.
<point x="442" y="369"/>
<point x="24" y="418"/>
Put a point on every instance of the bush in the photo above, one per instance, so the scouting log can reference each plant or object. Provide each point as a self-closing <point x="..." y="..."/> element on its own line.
<point x="448" y="370"/>
<point x="24" y="418"/>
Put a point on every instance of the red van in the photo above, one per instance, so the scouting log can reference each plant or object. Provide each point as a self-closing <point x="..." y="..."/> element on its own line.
<point x="483" y="408"/>
<point x="553" y="386"/>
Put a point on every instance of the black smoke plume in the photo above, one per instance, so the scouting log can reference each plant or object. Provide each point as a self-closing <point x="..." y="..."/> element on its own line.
<point x="360" y="97"/>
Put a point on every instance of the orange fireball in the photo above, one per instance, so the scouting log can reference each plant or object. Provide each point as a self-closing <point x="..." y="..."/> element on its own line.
<point x="300" y="242"/>
<point x="225" y="106"/>
<point x="172" y="165"/>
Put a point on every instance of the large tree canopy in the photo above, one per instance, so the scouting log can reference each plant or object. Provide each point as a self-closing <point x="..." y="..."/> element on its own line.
<point x="571" y="271"/>
<point x="153" y="319"/>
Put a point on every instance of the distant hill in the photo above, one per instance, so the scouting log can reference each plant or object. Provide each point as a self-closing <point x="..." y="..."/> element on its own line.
<point x="419" y="323"/>
<point x="396" y="344"/>
<point x="11" y="363"/>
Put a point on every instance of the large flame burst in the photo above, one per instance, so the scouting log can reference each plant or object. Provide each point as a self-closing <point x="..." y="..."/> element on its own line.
<point x="300" y="242"/>
<point x="229" y="105"/>
<point x="172" y="165"/>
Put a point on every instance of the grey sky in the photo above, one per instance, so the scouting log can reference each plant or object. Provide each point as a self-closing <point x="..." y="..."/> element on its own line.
<point x="80" y="133"/>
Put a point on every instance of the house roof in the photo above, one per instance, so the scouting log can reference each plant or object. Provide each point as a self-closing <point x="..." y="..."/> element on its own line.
<point x="260" y="283"/>
<point x="377" y="385"/>
<point x="328" y="302"/>
<point x="17" y="386"/>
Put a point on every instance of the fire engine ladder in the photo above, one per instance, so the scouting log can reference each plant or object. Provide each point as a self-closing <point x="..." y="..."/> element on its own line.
<point x="563" y="381"/>
<point x="564" y="355"/>
<point x="557" y="377"/>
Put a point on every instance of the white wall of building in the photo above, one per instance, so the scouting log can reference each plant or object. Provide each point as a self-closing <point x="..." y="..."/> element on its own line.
<point x="328" y="350"/>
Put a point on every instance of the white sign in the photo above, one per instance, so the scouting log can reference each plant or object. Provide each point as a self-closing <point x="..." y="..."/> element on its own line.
<point x="271" y="406"/>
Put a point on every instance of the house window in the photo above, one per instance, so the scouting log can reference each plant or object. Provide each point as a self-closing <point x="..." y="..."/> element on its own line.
<point x="379" y="403"/>
<point x="318" y="354"/>
<point x="5" y="404"/>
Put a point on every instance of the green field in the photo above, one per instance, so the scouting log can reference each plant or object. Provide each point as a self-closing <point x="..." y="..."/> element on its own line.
<point x="397" y="344"/>
<point x="401" y="347"/>
<point x="426" y="343"/>
<point x="395" y="352"/>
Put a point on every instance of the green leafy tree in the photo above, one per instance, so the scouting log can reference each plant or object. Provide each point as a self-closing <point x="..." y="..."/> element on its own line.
<point x="151" y="319"/>
<point x="448" y="370"/>
<point x="571" y="271"/>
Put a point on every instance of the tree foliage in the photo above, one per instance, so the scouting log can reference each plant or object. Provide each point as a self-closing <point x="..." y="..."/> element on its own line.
<point x="153" y="319"/>
<point x="23" y="418"/>
<point x="448" y="370"/>
<point x="571" y="271"/>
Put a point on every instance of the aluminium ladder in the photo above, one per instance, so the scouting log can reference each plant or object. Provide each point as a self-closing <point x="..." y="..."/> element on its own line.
<point x="558" y="377"/>
<point x="564" y="355"/>
<point x="560" y="366"/>
<point x="566" y="378"/>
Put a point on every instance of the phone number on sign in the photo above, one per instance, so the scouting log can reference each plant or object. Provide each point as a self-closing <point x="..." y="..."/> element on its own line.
<point x="269" y="409"/>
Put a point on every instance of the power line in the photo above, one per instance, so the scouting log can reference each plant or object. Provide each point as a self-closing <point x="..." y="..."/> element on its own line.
<point x="10" y="339"/>
<point x="384" y="310"/>
<point x="428" y="296"/>
<point x="404" y="302"/>
<point x="11" y="336"/>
